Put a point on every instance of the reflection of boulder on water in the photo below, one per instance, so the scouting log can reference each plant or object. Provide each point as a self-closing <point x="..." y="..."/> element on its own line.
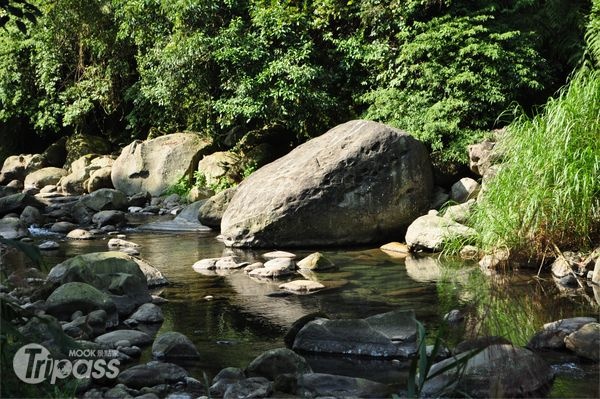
<point x="252" y="297"/>
<point x="423" y="268"/>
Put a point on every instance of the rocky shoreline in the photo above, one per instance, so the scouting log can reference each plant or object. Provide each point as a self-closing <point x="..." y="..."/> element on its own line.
<point x="359" y="183"/>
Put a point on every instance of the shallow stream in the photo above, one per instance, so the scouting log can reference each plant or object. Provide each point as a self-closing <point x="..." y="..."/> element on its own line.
<point x="241" y="320"/>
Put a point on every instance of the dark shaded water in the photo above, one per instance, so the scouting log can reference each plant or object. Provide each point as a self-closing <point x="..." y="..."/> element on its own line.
<point x="241" y="321"/>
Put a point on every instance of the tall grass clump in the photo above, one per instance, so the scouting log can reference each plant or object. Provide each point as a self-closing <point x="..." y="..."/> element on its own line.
<point x="548" y="188"/>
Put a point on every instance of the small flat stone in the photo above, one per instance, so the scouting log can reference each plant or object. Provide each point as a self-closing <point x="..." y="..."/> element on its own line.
<point x="302" y="286"/>
<point x="278" y="254"/>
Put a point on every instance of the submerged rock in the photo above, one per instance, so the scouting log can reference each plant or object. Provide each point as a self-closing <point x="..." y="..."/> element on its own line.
<point x="274" y="362"/>
<point x="386" y="335"/>
<point x="302" y="286"/>
<point x="358" y="183"/>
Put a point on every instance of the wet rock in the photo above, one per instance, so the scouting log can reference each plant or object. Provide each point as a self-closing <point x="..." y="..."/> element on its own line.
<point x="329" y="190"/>
<point x="302" y="286"/>
<point x="226" y="377"/>
<point x="31" y="216"/>
<point x="46" y="331"/>
<point x="552" y="335"/>
<point x="338" y="386"/>
<point x="256" y="387"/>
<point x="104" y="218"/>
<point x="505" y="369"/>
<point x="469" y="252"/>
<point x="74" y="296"/>
<point x="211" y="212"/>
<point x="148" y="313"/>
<point x="49" y="245"/>
<point x="499" y="258"/>
<point x="385" y="335"/>
<point x="12" y="228"/>
<point x="253" y="266"/>
<point x="277" y="267"/>
<point x="119" y="243"/>
<point x="80" y="234"/>
<point x="316" y="262"/>
<point x="431" y="232"/>
<point x="152" y="374"/>
<point x="274" y="362"/>
<point x="224" y="263"/>
<point x="155" y="165"/>
<point x="174" y="346"/>
<point x="464" y="190"/>
<point x="216" y="166"/>
<point x="290" y="336"/>
<point x="137" y="338"/>
<point x="17" y="203"/>
<point x="585" y="342"/>
<point x="395" y="248"/>
<point x="63" y="227"/>
<point x="279" y="254"/>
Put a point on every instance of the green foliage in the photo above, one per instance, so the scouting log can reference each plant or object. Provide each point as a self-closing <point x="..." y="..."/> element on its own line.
<point x="182" y="187"/>
<point x="548" y="191"/>
<point x="18" y="11"/>
<point x="443" y="70"/>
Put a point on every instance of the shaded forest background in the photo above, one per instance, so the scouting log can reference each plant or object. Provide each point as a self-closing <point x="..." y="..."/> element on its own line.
<point x="445" y="70"/>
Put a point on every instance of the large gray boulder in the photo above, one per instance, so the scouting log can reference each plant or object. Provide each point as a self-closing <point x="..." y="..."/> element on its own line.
<point x="157" y="164"/>
<point x="497" y="370"/>
<point x="112" y="272"/>
<point x="175" y="347"/>
<point x="586" y="341"/>
<point x="211" y="212"/>
<point x="70" y="297"/>
<point x="105" y="199"/>
<point x="81" y="170"/>
<point x="16" y="167"/>
<point x="152" y="374"/>
<point x="278" y="361"/>
<point x="358" y="183"/>
<point x="44" y="177"/>
<point x="553" y="335"/>
<point x="431" y="232"/>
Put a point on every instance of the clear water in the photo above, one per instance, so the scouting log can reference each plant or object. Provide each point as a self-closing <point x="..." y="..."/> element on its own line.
<point x="241" y="321"/>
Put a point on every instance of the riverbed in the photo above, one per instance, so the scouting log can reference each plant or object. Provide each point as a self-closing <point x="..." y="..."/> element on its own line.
<point x="232" y="318"/>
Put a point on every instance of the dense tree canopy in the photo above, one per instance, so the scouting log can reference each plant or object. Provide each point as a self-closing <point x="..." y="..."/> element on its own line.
<point x="444" y="70"/>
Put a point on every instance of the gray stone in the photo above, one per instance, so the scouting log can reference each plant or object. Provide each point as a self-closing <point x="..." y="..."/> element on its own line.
<point x="44" y="177"/>
<point x="585" y="342"/>
<point x="104" y="218"/>
<point x="226" y="377"/>
<point x="460" y="213"/>
<point x="16" y="167"/>
<point x="316" y="262"/>
<point x="513" y="371"/>
<point x="277" y="267"/>
<point x="274" y="362"/>
<point x="387" y="335"/>
<point x="255" y="387"/>
<point x="17" y="203"/>
<point x="358" y="183"/>
<point x="73" y="296"/>
<point x="152" y="374"/>
<point x="174" y="346"/>
<point x="137" y="338"/>
<point x="481" y="156"/>
<point x="553" y="335"/>
<point x="157" y="164"/>
<point x="301" y="286"/>
<point x="148" y="313"/>
<point x="105" y="199"/>
<point x="217" y="166"/>
<point x="464" y="190"/>
<point x="596" y="273"/>
<point x="337" y="386"/>
<point x="99" y="178"/>
<point x="31" y="216"/>
<point x="12" y="228"/>
<point x="49" y="245"/>
<point x="211" y="212"/>
<point x="431" y="232"/>
<point x="80" y="234"/>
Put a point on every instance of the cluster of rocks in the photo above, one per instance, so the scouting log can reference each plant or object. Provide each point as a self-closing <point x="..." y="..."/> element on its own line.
<point x="276" y="265"/>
